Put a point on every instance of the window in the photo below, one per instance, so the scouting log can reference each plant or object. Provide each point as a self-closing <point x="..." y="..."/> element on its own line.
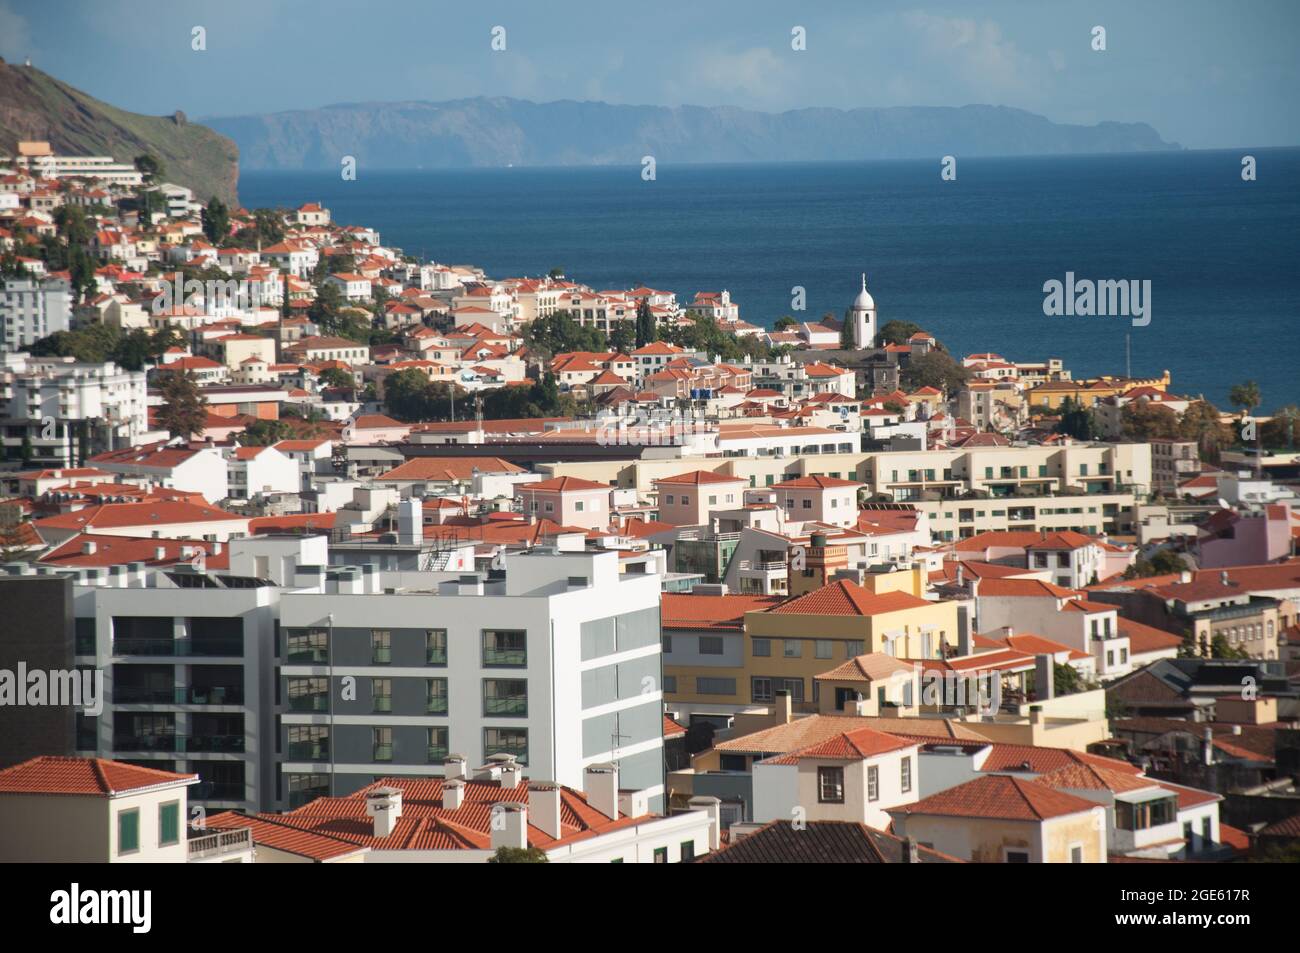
<point x="1207" y="830"/>
<point x="436" y="696"/>
<point x="715" y="686"/>
<point x="169" y="823"/>
<point x="505" y="648"/>
<point x="830" y="785"/>
<point x="128" y="831"/>
<point x="308" y="742"/>
<point x="1015" y="856"/>
<point x="435" y="646"/>
<point x="506" y="741"/>
<point x="762" y="648"/>
<point x="760" y="689"/>
<point x="685" y="499"/>
<point x="792" y="648"/>
<point x="822" y="648"/>
<point x="505" y="696"/>
<point x="710" y="645"/>
<point x="577" y="506"/>
<point x="381" y="692"/>
<point x="853" y="648"/>
<point x="688" y="851"/>
<point x="661" y="855"/>
<point x="305" y="646"/>
<point x="381" y="646"/>
<point x="437" y="745"/>
<point x="382" y="743"/>
<point x="906" y="774"/>
<point x="670" y="684"/>
<point x="873" y="783"/>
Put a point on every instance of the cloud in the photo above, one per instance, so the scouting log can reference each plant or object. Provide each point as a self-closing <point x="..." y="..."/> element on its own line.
<point x="976" y="54"/>
<point x="755" y="77"/>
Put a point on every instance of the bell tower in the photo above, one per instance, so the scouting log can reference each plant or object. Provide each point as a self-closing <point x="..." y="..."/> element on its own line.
<point x="862" y="317"/>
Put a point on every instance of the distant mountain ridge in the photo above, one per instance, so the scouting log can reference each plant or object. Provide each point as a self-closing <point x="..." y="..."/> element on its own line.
<point x="36" y="106"/>
<point x="498" y="131"/>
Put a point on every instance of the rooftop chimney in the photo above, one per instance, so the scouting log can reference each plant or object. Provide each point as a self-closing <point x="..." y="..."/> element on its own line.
<point x="544" y="807"/>
<point x="454" y="767"/>
<point x="633" y="803"/>
<point x="159" y="552"/>
<point x="782" y="708"/>
<point x="911" y="851"/>
<point x="384" y="806"/>
<point x="453" y="794"/>
<point x="1223" y="577"/>
<point x="410" y="522"/>
<point x="711" y="806"/>
<point x="88" y="548"/>
<point x="600" y="784"/>
<point x="509" y="825"/>
<point x="511" y="774"/>
<point x="1207" y="746"/>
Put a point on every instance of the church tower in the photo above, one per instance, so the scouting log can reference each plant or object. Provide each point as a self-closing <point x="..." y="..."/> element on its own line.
<point x="862" y="318"/>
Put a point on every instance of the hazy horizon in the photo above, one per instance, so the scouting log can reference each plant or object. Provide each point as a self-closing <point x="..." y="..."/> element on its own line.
<point x="1202" y="74"/>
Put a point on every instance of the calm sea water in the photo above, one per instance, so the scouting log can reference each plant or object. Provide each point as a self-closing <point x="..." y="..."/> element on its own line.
<point x="965" y="259"/>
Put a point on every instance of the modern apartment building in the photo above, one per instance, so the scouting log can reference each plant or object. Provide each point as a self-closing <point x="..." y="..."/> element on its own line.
<point x="68" y="411"/>
<point x="31" y="309"/>
<point x="556" y="662"/>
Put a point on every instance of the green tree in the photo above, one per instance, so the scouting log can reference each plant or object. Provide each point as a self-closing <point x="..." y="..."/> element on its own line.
<point x="935" y="369"/>
<point x="1221" y="648"/>
<point x="1246" y="397"/>
<point x="1077" y="421"/>
<point x="784" y="323"/>
<point x="623" y="338"/>
<point x="646" y="329"/>
<point x="519" y="855"/>
<point x="264" y="433"/>
<point x="183" y="411"/>
<point x="846" y="335"/>
<point x="339" y="378"/>
<point x="1142" y="421"/>
<point x="216" y="221"/>
<point x="1280" y="432"/>
<point x="150" y="167"/>
<point x="1200" y="422"/>
<point x="897" y="332"/>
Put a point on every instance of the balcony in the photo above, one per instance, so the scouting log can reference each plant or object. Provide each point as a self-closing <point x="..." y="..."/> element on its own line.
<point x="215" y="695"/>
<point x="505" y="658"/>
<point x="219" y="846"/>
<point x="309" y="750"/>
<point x="383" y="752"/>
<point x="206" y="648"/>
<point x="169" y="743"/>
<point x="218" y="791"/>
<point x="506" y="706"/>
<point x="213" y="743"/>
<point x="307" y="656"/>
<point x="309" y="703"/>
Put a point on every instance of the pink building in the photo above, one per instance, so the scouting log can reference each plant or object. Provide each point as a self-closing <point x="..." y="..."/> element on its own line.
<point x="820" y="498"/>
<point x="568" y="501"/>
<point x="688" y="498"/>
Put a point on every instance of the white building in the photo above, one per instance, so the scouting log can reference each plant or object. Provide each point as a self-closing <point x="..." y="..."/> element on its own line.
<point x="558" y="665"/>
<point x="31" y="309"/>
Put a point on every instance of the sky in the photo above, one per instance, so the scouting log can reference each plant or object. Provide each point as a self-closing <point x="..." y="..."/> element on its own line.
<point x="1204" y="73"/>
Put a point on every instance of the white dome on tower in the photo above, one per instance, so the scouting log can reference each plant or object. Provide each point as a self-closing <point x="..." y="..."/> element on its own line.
<point x="864" y="301"/>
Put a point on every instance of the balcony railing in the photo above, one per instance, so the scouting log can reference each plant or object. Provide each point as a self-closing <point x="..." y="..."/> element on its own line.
<point x="436" y="706"/>
<point x="216" y="695"/>
<point x="309" y="750"/>
<point x="213" y="743"/>
<point x="507" y="658"/>
<point x="309" y="703"/>
<point x="308" y="656"/>
<point x="219" y="844"/>
<point x="437" y="754"/>
<point x="383" y="752"/>
<point x="177" y="647"/>
<point x="383" y="703"/>
<point x="506" y="706"/>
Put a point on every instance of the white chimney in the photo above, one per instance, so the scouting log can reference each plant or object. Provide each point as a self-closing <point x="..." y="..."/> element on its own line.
<point x="1207" y="747"/>
<point x="88" y="548"/>
<point x="384" y="805"/>
<point x="544" y="807"/>
<point x="711" y="806"/>
<point x="600" y="784"/>
<point x="454" y="767"/>
<point x="509" y="825"/>
<point x="453" y="794"/>
<point x="633" y="803"/>
<point x="159" y="552"/>
<point x="511" y="775"/>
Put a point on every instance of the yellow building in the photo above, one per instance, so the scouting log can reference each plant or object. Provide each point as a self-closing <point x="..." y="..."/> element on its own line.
<point x="1088" y="392"/>
<point x="728" y="663"/>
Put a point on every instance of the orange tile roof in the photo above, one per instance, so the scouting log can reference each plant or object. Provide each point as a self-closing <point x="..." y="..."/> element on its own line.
<point x="687" y="611"/>
<point x="448" y="469"/>
<point x="51" y="774"/>
<point x="564" y="484"/>
<point x="843" y="597"/>
<point x="699" y="477"/>
<point x="852" y="745"/>
<point x="815" y="483"/>
<point x="999" y="797"/>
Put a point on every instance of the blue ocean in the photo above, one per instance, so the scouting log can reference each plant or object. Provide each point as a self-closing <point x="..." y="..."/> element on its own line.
<point x="966" y="259"/>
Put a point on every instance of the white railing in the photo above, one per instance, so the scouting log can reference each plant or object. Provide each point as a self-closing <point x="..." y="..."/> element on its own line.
<point x="222" y="842"/>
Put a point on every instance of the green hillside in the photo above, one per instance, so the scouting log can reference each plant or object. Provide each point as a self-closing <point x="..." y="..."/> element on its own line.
<point x="35" y="105"/>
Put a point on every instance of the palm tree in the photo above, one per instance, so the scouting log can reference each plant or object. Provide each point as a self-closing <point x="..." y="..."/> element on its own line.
<point x="1247" y="397"/>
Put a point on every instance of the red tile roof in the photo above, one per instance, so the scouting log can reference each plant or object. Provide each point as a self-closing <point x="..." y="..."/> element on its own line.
<point x="50" y="774"/>
<point x="852" y="745"/>
<point x="686" y="611"/>
<point x="999" y="797"/>
<point x="843" y="597"/>
<point x="698" y="477"/>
